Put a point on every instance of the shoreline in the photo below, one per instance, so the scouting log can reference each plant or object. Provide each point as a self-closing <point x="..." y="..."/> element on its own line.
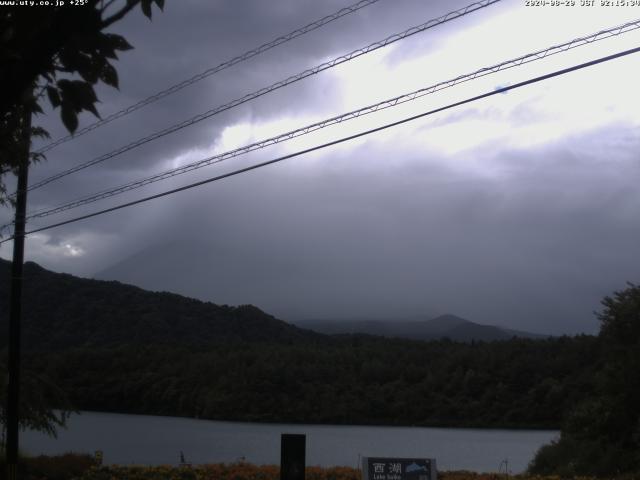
<point x="332" y="425"/>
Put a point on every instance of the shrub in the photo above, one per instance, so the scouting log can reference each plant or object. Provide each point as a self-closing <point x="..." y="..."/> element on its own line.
<point x="61" y="467"/>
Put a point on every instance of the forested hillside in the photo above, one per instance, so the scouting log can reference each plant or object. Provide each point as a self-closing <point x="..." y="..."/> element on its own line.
<point x="62" y="311"/>
<point x="443" y="326"/>
<point x="118" y="348"/>
<point x="358" y="380"/>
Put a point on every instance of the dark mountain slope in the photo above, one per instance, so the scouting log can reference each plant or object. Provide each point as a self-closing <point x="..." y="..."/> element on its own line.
<point x="114" y="347"/>
<point x="445" y="326"/>
<point x="63" y="311"/>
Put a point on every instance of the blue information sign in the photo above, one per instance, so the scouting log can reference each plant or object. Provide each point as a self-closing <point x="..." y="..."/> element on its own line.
<point x="380" y="468"/>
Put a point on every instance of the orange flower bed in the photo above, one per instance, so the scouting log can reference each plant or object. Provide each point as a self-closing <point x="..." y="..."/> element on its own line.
<point x="247" y="471"/>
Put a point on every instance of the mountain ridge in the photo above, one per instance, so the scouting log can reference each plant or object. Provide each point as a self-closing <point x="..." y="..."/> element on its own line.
<point x="443" y="326"/>
<point x="118" y="348"/>
<point x="62" y="311"/>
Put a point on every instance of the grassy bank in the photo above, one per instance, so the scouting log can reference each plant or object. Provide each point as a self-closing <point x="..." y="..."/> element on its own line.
<point x="251" y="472"/>
<point x="83" y="467"/>
<point x="60" y="467"/>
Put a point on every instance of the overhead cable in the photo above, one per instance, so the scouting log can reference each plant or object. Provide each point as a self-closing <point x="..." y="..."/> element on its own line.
<point x="263" y="91"/>
<point x="391" y="102"/>
<point x="338" y="141"/>
<point x="211" y="71"/>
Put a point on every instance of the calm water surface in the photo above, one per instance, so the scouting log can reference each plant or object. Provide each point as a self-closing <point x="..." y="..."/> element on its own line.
<point x="149" y="440"/>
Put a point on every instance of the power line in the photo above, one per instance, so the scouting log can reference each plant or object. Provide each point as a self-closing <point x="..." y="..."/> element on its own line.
<point x="263" y="91"/>
<point x="341" y="140"/>
<point x="392" y="102"/>
<point x="212" y="71"/>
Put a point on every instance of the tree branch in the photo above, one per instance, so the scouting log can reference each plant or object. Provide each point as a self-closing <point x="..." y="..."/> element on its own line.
<point x="105" y="7"/>
<point x="120" y="14"/>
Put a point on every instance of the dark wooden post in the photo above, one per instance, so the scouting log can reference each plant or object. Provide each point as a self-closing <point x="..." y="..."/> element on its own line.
<point x="15" y="305"/>
<point x="292" y="456"/>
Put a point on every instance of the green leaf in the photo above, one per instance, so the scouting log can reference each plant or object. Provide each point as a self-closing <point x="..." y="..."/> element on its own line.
<point x="160" y="4"/>
<point x="69" y="118"/>
<point x="88" y="68"/>
<point x="77" y="96"/>
<point x="8" y="34"/>
<point x="92" y="108"/>
<point x="109" y="75"/>
<point x="39" y="132"/>
<point x="36" y="157"/>
<point x="69" y="59"/>
<point x="146" y="7"/>
<point x="105" y="46"/>
<point x="77" y="92"/>
<point x="118" y="42"/>
<point x="63" y="86"/>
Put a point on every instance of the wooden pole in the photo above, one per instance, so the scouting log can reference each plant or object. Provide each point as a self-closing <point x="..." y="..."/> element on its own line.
<point x="15" y="305"/>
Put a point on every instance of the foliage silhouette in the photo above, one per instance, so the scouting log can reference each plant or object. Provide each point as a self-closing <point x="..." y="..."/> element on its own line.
<point x="601" y="436"/>
<point x="43" y="51"/>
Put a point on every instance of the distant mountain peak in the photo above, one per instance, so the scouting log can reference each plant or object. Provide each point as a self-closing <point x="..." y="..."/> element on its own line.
<point x="446" y="322"/>
<point x="447" y="325"/>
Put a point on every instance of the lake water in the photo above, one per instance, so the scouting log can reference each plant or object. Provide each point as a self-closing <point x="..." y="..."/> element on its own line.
<point x="149" y="440"/>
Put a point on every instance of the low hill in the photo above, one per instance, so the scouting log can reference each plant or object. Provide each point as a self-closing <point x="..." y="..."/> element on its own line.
<point x="445" y="326"/>
<point x="118" y="348"/>
<point x="62" y="311"/>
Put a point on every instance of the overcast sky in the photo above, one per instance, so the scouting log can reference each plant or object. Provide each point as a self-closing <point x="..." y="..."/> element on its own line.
<point x="519" y="210"/>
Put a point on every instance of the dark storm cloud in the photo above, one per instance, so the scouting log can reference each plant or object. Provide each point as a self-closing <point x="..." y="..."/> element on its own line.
<point x="535" y="251"/>
<point x="194" y="35"/>
<point x="531" y="240"/>
<point x="180" y="43"/>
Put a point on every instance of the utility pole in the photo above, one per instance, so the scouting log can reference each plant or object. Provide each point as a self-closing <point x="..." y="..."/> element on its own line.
<point x="15" y="305"/>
